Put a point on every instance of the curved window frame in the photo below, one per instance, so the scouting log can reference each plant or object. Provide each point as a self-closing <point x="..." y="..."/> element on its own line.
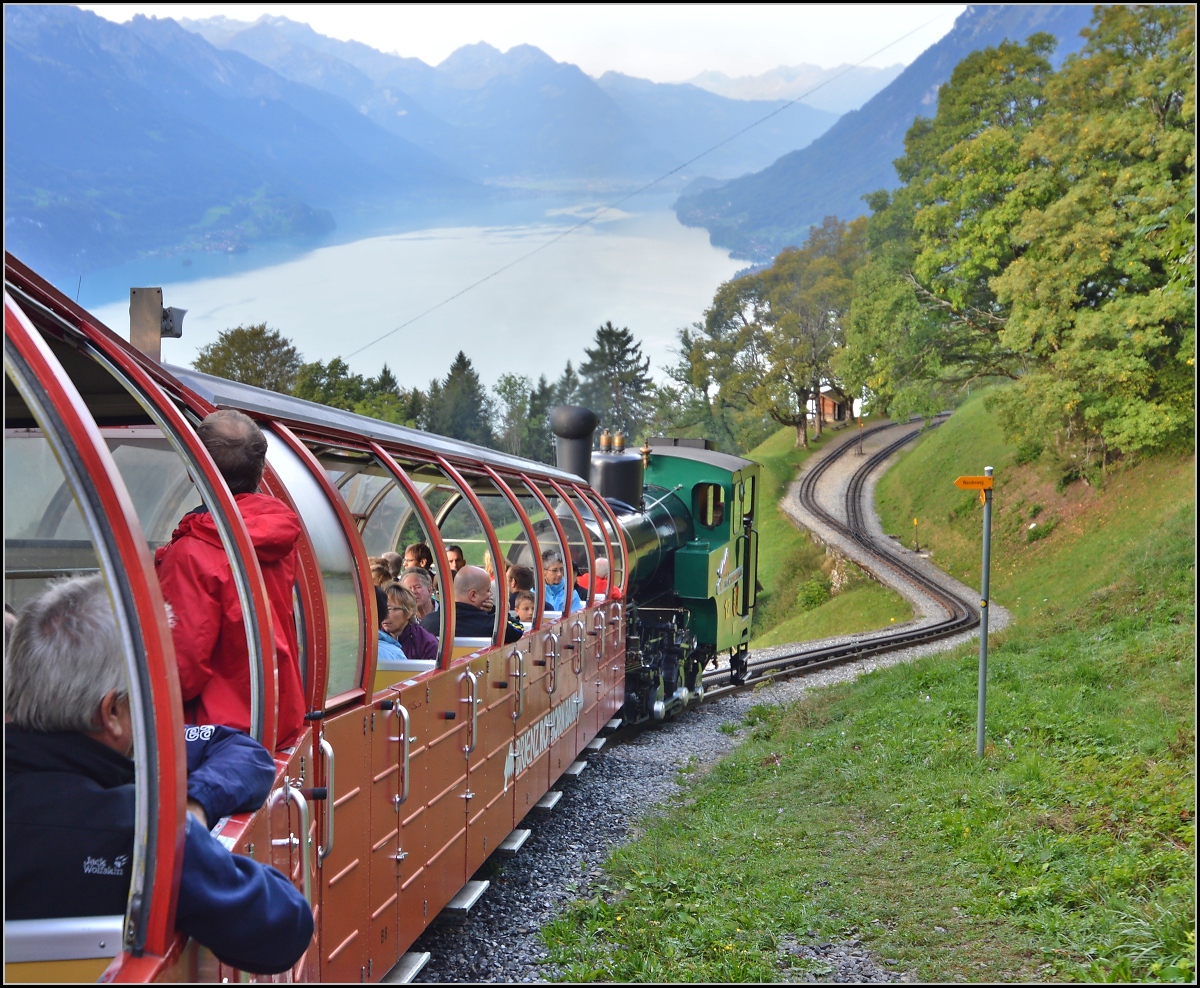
<point x="527" y="524"/>
<point x="562" y="539"/>
<point x="359" y="572"/>
<point x="156" y="707"/>
<point x="602" y="525"/>
<point x="429" y="523"/>
<point x="583" y="532"/>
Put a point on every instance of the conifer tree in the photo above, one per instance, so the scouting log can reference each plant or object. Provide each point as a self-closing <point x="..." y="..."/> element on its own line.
<point x="460" y="407"/>
<point x="615" y="380"/>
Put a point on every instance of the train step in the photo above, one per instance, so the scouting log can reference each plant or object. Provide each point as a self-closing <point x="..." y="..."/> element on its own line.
<point x="595" y="744"/>
<point x="407" y="968"/>
<point x="574" y="770"/>
<point x="614" y="724"/>
<point x="512" y="844"/>
<point x="458" y="907"/>
<point x="549" y="801"/>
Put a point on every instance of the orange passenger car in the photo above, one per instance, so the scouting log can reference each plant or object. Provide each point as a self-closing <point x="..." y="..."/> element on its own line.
<point x="406" y="779"/>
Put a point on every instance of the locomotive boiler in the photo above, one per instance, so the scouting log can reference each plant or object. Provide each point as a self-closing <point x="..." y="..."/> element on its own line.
<point x="686" y="514"/>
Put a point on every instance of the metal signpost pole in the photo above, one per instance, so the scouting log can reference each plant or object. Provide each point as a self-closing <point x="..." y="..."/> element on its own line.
<point x="980" y="728"/>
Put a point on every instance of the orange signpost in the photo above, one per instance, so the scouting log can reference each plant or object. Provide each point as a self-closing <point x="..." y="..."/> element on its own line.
<point x="985" y="486"/>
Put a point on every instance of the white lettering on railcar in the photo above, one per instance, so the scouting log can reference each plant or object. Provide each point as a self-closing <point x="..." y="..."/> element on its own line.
<point x="99" y="866"/>
<point x="536" y="741"/>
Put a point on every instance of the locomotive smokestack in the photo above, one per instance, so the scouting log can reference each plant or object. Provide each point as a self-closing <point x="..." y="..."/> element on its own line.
<point x="574" y="426"/>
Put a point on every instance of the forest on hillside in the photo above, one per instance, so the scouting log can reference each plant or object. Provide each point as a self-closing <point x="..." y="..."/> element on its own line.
<point x="1043" y="235"/>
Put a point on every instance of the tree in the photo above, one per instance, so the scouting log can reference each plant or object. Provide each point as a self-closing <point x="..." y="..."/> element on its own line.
<point x="615" y="380"/>
<point x="253" y="355"/>
<point x="512" y="393"/>
<point x="566" y="388"/>
<point x="330" y="384"/>
<point x="1103" y="292"/>
<point x="458" y="406"/>
<point x="539" y="440"/>
<point x="925" y="319"/>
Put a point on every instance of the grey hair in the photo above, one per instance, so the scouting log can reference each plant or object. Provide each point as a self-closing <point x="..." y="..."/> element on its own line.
<point x="64" y="657"/>
<point x="419" y="572"/>
<point x="551" y="556"/>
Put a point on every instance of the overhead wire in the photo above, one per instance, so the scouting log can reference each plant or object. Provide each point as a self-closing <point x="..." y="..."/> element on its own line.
<point x="637" y="192"/>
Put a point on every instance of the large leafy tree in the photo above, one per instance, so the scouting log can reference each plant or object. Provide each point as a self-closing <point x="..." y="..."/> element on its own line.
<point x="1102" y="295"/>
<point x="253" y="355"/>
<point x="615" y="380"/>
<point x="925" y="319"/>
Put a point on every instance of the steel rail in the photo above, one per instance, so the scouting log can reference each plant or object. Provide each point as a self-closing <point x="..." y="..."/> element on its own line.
<point x="961" y="614"/>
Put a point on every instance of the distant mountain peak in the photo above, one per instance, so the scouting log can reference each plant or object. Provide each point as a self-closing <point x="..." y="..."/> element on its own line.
<point x="840" y="89"/>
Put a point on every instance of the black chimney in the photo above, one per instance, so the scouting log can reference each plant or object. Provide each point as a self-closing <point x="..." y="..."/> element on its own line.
<point x="574" y="426"/>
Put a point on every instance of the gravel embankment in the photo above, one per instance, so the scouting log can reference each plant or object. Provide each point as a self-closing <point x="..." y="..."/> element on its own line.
<point x="634" y="775"/>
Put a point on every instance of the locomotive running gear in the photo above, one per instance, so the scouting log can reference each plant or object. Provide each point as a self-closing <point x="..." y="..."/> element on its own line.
<point x="69" y="814"/>
<point x="207" y="627"/>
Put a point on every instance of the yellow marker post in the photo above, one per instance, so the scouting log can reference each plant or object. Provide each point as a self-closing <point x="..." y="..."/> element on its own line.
<point x="916" y="538"/>
<point x="984" y="485"/>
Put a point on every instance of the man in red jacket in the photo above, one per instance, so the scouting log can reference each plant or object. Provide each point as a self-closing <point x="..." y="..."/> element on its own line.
<point x="207" y="627"/>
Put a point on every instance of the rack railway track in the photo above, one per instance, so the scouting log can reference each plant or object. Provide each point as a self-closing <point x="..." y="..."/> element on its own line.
<point x="960" y="614"/>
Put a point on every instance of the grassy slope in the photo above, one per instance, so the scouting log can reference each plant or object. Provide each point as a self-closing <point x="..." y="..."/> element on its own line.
<point x="1067" y="852"/>
<point x="788" y="558"/>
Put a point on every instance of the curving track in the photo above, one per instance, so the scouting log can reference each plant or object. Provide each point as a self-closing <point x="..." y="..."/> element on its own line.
<point x="961" y="614"/>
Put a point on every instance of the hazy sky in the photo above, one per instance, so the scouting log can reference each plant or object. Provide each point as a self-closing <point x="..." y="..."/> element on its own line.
<point x="663" y="42"/>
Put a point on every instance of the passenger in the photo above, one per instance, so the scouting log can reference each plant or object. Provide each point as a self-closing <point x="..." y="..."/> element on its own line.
<point x="556" y="584"/>
<point x="400" y="624"/>
<point x="70" y="806"/>
<point x="381" y="575"/>
<point x="10" y="622"/>
<point x="475" y="605"/>
<point x="395" y="563"/>
<point x="419" y="583"/>
<point x="418" y="555"/>
<point x="488" y="566"/>
<point x="390" y="650"/>
<point x="457" y="560"/>
<point x="519" y="578"/>
<point x="601" y="583"/>
<point x="207" y="627"/>
<point x="524" y="603"/>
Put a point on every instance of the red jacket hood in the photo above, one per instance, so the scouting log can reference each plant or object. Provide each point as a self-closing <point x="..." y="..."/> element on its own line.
<point x="273" y="526"/>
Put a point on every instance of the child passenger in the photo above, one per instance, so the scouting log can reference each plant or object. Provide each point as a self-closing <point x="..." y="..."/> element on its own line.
<point x="524" y="604"/>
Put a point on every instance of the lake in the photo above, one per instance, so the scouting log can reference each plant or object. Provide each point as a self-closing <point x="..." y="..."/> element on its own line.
<point x="639" y="268"/>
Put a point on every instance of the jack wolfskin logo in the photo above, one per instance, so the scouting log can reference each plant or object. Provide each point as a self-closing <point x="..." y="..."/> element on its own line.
<point x="99" y="866"/>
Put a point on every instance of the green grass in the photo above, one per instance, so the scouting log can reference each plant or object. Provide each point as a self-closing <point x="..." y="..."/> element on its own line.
<point x="863" y="607"/>
<point x="1066" y="853"/>
<point x="789" y="558"/>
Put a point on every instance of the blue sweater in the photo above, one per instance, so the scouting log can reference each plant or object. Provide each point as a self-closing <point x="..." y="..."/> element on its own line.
<point x="556" y="597"/>
<point x="69" y="815"/>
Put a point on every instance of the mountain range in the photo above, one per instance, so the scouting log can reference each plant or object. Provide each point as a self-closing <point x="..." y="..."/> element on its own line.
<point x="164" y="137"/>
<point x="757" y="215"/>
<point x="839" y="90"/>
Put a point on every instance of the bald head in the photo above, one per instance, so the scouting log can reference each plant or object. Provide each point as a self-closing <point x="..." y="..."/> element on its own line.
<point x="471" y="580"/>
<point x="237" y="446"/>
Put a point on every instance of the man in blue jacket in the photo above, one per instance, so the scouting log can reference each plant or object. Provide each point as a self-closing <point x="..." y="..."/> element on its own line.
<point x="70" y="793"/>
